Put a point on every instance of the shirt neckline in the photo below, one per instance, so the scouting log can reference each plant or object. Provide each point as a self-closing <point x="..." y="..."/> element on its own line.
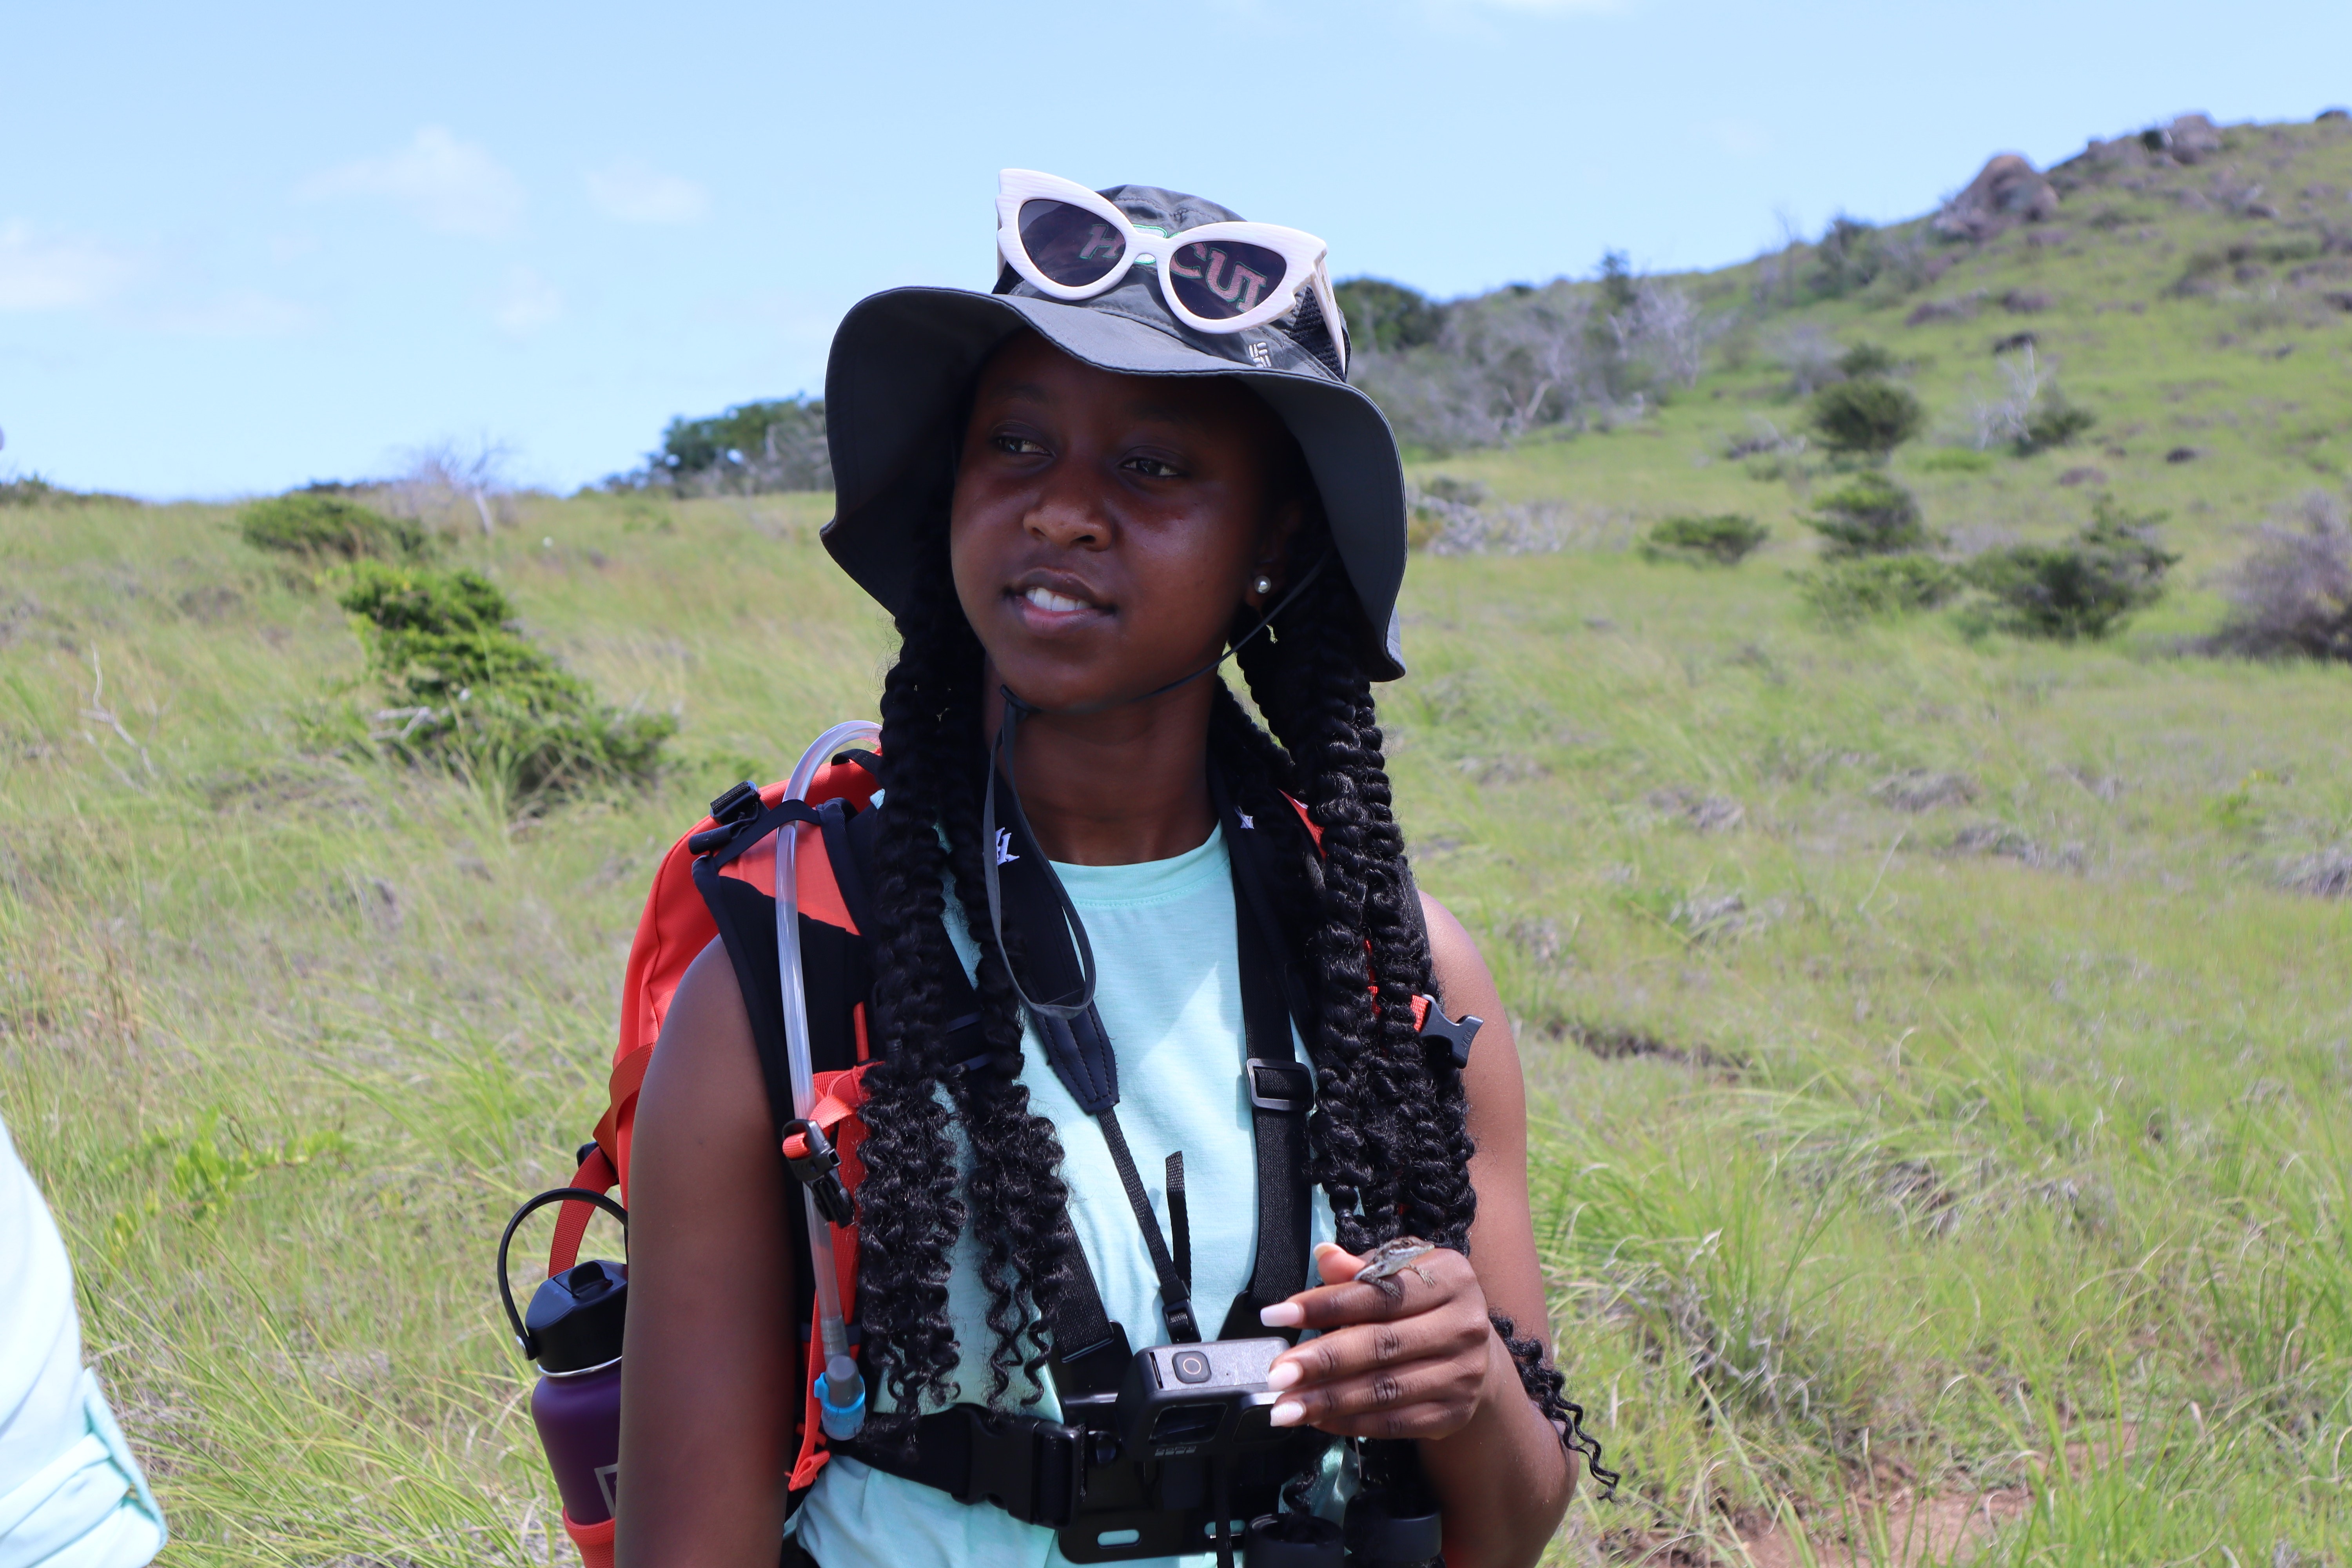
<point x="1147" y="881"/>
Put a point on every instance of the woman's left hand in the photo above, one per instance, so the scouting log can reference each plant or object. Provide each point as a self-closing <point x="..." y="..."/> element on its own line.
<point x="1407" y="1356"/>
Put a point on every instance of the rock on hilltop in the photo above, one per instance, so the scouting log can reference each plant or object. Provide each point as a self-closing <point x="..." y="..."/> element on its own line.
<point x="2006" y="192"/>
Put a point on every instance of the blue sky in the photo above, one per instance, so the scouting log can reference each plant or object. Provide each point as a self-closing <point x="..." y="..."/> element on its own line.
<point x="244" y="245"/>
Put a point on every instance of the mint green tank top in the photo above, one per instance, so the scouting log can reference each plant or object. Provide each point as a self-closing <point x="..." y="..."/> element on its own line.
<point x="1168" y="990"/>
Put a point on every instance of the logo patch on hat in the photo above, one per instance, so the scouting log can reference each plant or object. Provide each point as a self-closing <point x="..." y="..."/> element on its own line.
<point x="1261" y="354"/>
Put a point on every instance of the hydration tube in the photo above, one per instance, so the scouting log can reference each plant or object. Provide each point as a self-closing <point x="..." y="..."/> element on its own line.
<point x="840" y="1389"/>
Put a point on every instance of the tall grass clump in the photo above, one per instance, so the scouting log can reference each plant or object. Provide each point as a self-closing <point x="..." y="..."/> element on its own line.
<point x="321" y="529"/>
<point x="469" y="691"/>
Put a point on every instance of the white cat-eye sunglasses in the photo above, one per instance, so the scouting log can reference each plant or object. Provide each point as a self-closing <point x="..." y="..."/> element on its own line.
<point x="1073" y="243"/>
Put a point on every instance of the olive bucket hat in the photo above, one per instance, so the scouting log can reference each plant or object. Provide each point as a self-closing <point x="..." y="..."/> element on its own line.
<point x="903" y="364"/>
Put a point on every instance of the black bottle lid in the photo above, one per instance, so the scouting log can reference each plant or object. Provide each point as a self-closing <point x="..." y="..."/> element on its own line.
<point x="1291" y="1541"/>
<point x="574" y="1321"/>
<point x="1394" y="1526"/>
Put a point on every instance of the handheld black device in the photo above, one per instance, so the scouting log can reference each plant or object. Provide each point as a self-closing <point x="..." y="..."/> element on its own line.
<point x="1198" y="1400"/>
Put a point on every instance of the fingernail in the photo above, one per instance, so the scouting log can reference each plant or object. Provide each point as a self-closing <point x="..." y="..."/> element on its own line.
<point x="1284" y="1374"/>
<point x="1283" y="1315"/>
<point x="1289" y="1413"/>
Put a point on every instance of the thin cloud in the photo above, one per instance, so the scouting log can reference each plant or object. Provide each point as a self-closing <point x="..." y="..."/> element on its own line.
<point x="633" y="191"/>
<point x="527" y="303"/>
<point x="446" y="184"/>
<point x="1740" y="138"/>
<point x="56" y="274"/>
<point x="241" y="313"/>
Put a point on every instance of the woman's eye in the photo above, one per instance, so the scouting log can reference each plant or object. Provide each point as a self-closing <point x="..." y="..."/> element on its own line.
<point x="1017" y="446"/>
<point x="1154" y="467"/>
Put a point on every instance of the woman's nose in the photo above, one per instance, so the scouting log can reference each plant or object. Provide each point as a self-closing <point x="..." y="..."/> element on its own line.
<point x="1067" y="514"/>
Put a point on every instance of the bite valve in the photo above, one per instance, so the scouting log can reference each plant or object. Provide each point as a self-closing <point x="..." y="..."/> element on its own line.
<point x="840" y="1399"/>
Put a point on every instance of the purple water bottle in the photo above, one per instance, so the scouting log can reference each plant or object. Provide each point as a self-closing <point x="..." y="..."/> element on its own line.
<point x="573" y="1329"/>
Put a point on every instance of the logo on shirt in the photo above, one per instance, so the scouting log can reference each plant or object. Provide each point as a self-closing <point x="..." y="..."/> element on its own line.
<point x="1005" y="855"/>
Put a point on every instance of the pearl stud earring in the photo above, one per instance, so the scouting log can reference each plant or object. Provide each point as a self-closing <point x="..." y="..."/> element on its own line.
<point x="1264" y="585"/>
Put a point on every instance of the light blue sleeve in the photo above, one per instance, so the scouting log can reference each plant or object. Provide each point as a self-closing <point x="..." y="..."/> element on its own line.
<point x="71" y="1494"/>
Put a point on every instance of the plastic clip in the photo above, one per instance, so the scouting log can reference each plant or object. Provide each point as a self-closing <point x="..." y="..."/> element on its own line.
<point x="817" y="1166"/>
<point x="1453" y="1034"/>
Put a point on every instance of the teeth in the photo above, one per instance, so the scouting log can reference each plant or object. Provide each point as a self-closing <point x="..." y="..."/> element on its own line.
<point x="1046" y="599"/>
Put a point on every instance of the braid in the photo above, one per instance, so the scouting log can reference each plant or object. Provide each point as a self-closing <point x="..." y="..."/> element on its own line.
<point x="908" y="1213"/>
<point x="1017" y="1195"/>
<point x="1014" y="1196"/>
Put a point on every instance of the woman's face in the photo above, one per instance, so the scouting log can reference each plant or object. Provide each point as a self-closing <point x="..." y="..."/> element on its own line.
<point x="1107" y="528"/>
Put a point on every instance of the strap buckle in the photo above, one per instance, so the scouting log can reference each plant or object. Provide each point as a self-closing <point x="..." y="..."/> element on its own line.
<point x="1286" y="1086"/>
<point x="816" y="1166"/>
<point x="1031" y="1467"/>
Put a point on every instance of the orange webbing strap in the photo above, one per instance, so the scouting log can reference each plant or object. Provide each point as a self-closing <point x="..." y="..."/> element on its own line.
<point x="594" y="1541"/>
<point x="596" y="1174"/>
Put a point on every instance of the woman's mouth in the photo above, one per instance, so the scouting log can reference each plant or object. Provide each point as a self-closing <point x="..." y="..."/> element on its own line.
<point x="1059" y="602"/>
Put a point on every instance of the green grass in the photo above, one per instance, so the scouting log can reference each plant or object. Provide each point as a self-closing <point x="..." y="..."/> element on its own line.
<point x="1945" y="1108"/>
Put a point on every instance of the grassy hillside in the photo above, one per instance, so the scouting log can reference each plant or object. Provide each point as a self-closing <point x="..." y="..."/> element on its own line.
<point x="2186" y="326"/>
<point x="1941" y="1046"/>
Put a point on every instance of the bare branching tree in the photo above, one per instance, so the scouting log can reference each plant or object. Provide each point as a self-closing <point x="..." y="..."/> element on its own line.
<point x="2292" y="595"/>
<point x="1666" y="328"/>
<point x="446" y="479"/>
<point x="1808" y="354"/>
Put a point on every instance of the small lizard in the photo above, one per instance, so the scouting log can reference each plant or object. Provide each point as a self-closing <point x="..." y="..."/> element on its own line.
<point x="1393" y="1258"/>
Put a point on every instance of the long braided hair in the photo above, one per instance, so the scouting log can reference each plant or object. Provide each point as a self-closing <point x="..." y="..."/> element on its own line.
<point x="1387" y="1139"/>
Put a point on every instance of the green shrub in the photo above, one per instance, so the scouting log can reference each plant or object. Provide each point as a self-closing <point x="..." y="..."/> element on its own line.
<point x="470" y="693"/>
<point x="1955" y="460"/>
<point x="1876" y="587"/>
<point x="318" y="528"/>
<point x="1870" y="514"/>
<point x="2081" y="589"/>
<point x="1866" y="359"/>
<point x="2056" y="422"/>
<point x="1869" y="417"/>
<point x="1722" y="541"/>
<point x="1388" y="317"/>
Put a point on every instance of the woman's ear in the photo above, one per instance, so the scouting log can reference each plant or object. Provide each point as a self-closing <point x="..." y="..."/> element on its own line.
<point x="1271" y="568"/>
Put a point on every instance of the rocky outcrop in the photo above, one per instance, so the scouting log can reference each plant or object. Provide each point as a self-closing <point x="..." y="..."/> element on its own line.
<point x="2190" y="138"/>
<point x="2007" y="191"/>
<point x="2185" y="139"/>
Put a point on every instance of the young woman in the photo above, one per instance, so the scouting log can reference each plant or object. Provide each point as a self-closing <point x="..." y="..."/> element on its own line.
<point x="1076" y="494"/>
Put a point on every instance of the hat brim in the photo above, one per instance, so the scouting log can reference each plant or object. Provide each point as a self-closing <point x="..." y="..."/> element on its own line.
<point x="903" y="364"/>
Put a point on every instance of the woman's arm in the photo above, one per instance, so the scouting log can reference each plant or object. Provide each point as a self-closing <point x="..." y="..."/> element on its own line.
<point x="1415" y="1356"/>
<point x="710" y="1381"/>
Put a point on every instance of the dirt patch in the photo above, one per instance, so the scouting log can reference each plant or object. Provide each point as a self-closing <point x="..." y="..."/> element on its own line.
<point x="1898" y="1527"/>
<point x="1701" y="813"/>
<point x="2323" y="876"/>
<point x="1916" y="789"/>
<point x="1620" y="1042"/>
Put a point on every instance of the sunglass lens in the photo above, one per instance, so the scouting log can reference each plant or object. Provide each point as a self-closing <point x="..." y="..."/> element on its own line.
<point x="1218" y="278"/>
<point x="1069" y="244"/>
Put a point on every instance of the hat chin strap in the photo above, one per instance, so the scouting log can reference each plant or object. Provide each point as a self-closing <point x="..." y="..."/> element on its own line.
<point x="999" y="761"/>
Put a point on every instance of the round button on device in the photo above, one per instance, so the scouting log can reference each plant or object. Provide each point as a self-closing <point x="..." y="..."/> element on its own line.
<point x="1190" y="1366"/>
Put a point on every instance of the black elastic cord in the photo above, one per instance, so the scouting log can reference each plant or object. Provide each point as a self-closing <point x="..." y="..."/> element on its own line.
<point x="995" y="846"/>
